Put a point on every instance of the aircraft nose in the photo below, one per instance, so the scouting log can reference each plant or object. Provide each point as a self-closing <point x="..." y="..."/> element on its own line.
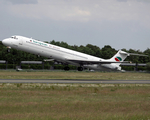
<point x="5" y="42"/>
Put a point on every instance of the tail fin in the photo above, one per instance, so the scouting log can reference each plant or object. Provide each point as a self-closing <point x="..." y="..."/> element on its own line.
<point x="120" y="56"/>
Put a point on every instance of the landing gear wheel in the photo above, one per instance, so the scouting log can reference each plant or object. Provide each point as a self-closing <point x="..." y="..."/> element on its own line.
<point x="80" y="68"/>
<point x="66" y="68"/>
<point x="8" y="50"/>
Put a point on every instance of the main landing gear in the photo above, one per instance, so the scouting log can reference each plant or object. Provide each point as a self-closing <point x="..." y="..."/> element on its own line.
<point x="80" y="68"/>
<point x="66" y="68"/>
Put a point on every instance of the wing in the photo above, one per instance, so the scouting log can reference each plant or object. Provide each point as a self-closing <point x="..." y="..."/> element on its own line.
<point x="87" y="62"/>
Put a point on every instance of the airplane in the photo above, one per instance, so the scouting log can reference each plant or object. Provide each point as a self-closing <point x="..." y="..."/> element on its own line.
<point x="67" y="56"/>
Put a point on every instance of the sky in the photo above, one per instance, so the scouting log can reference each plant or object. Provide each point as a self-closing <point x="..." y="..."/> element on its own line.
<point x="118" y="23"/>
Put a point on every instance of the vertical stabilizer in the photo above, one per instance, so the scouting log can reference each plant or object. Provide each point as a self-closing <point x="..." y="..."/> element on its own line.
<point x="120" y="56"/>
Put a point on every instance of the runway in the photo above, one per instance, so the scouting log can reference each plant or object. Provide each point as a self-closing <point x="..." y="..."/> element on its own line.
<point x="74" y="81"/>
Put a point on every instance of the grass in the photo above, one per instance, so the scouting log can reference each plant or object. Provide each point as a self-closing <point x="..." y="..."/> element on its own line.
<point x="74" y="101"/>
<point x="74" y="75"/>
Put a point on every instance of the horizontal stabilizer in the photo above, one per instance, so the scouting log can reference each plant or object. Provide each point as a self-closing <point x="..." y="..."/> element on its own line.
<point x="138" y="54"/>
<point x="128" y="54"/>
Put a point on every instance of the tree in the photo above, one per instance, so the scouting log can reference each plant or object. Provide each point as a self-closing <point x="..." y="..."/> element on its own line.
<point x="108" y="52"/>
<point x="147" y="52"/>
<point x="95" y="50"/>
<point x="148" y="66"/>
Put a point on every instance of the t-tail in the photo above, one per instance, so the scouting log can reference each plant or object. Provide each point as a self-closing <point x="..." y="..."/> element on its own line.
<point x="120" y="56"/>
<point x="116" y="60"/>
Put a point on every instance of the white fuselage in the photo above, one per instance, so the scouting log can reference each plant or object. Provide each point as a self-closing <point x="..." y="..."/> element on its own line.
<point x="52" y="51"/>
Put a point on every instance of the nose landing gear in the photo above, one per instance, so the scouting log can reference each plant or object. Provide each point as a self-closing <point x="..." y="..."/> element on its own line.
<point x="8" y="49"/>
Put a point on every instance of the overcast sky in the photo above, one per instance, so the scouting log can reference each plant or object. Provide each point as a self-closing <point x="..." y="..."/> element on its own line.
<point x="118" y="23"/>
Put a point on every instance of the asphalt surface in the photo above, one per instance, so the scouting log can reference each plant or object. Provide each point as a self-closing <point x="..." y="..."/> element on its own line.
<point x="75" y="81"/>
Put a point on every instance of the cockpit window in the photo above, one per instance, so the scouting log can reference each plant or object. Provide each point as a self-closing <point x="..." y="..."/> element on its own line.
<point x="14" y="37"/>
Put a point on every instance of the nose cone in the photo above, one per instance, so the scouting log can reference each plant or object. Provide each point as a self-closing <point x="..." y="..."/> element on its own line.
<point x="6" y="42"/>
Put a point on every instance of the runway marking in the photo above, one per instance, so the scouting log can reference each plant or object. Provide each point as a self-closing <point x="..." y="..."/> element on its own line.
<point x="75" y="81"/>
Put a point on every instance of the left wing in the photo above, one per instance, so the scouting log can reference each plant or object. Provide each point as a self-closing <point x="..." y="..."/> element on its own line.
<point x="87" y="62"/>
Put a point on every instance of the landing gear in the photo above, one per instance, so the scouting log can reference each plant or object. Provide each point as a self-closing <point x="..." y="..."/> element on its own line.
<point x="8" y="50"/>
<point x="38" y="56"/>
<point x="80" y="68"/>
<point x="66" y="68"/>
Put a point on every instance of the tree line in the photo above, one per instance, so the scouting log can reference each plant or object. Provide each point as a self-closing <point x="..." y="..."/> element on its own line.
<point x="15" y="56"/>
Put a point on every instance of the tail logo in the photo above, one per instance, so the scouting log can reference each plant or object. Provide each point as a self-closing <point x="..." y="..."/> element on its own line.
<point x="118" y="59"/>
